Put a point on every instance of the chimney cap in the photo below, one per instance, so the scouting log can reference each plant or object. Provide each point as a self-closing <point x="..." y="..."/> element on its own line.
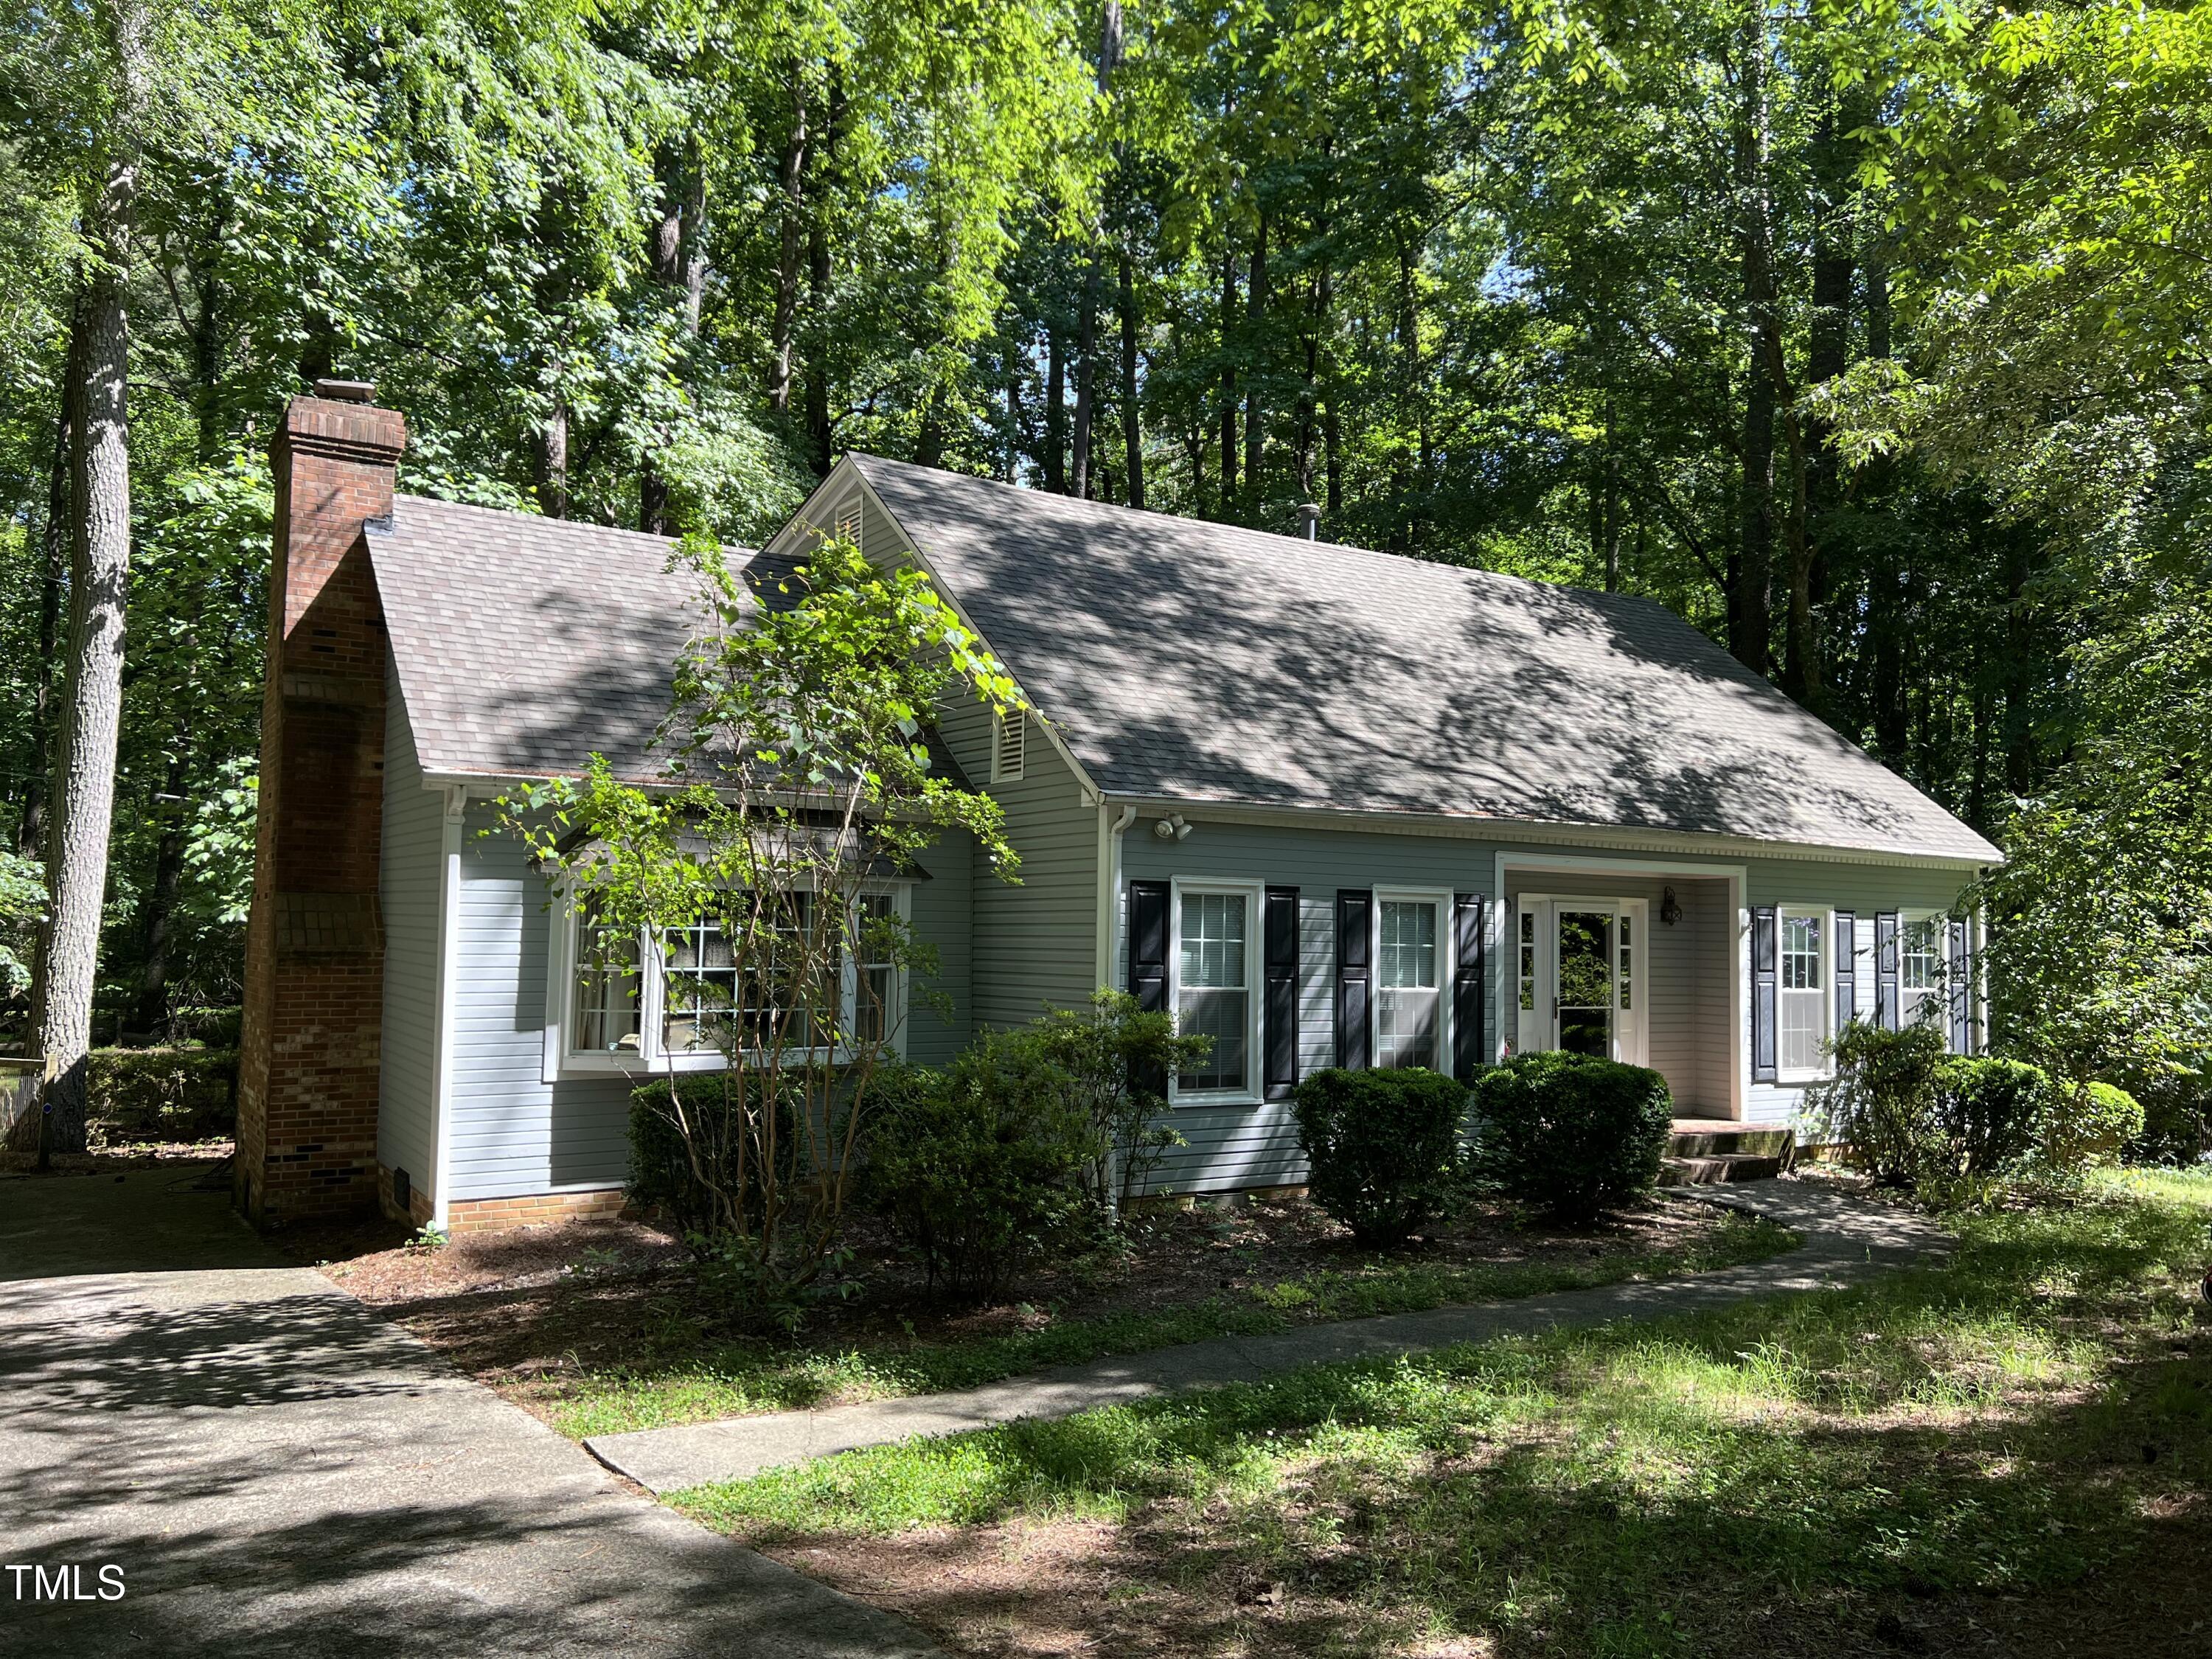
<point x="347" y="391"/>
<point x="1309" y="519"/>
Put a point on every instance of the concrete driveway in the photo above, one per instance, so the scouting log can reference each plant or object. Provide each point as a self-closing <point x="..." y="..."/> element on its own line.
<point x="277" y="1472"/>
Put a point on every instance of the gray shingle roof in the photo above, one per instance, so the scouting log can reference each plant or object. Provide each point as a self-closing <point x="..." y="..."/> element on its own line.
<point x="525" y="645"/>
<point x="1204" y="662"/>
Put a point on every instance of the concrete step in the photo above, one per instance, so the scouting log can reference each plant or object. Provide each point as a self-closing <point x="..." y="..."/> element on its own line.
<point x="1713" y="1140"/>
<point x="1719" y="1169"/>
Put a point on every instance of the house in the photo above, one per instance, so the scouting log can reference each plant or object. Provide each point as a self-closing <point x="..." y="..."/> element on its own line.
<point x="1333" y="806"/>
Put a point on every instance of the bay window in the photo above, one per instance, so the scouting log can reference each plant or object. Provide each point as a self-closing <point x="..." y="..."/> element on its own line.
<point x="615" y="1005"/>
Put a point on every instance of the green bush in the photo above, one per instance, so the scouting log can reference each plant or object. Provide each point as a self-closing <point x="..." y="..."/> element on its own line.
<point x="1381" y="1147"/>
<point x="981" y="1167"/>
<point x="1570" y="1134"/>
<point x="1991" y="1114"/>
<point x="1912" y="1116"/>
<point x="163" y="1094"/>
<point x="2088" y="1127"/>
<point x="1881" y="1104"/>
<point x="681" y="1175"/>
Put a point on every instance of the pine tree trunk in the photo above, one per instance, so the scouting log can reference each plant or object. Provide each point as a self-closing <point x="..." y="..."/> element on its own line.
<point x="99" y="568"/>
<point x="1132" y="431"/>
<point x="1228" y="332"/>
<point x="1055" y="411"/>
<point x="1752" y="570"/>
<point x="791" y="252"/>
<point x="53" y="569"/>
<point x="1255" y="297"/>
<point x="1086" y="358"/>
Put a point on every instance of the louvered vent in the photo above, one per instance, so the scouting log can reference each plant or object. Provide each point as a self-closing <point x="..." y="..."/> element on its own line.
<point x="1013" y="741"/>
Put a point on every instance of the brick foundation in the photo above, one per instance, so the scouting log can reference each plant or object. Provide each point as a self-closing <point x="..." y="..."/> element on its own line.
<point x="314" y="951"/>
<point x="488" y="1215"/>
<point x="419" y="1209"/>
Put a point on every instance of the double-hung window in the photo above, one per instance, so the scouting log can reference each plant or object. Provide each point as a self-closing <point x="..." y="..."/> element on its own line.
<point x="1216" y="957"/>
<point x="605" y="995"/>
<point x="877" y="1002"/>
<point x="1801" y="994"/>
<point x="1410" y="971"/>
<point x="1920" y="967"/>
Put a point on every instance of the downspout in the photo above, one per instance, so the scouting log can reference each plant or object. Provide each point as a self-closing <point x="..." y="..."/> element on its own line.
<point x="1109" y="951"/>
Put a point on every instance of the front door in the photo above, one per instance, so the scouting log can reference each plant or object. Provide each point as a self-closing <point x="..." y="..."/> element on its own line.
<point x="1581" y="979"/>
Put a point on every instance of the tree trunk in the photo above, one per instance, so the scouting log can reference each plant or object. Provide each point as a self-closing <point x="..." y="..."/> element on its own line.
<point x="791" y="250"/>
<point x="820" y="434"/>
<point x="1255" y="438"/>
<point x="152" y="1015"/>
<point x="1086" y="357"/>
<point x="1331" y="449"/>
<point x="1752" y="570"/>
<point x="1132" y="431"/>
<point x="552" y="461"/>
<point x="84" y="772"/>
<point x="1055" y="410"/>
<point x="678" y="263"/>
<point x="53" y="570"/>
<point x="1228" y="332"/>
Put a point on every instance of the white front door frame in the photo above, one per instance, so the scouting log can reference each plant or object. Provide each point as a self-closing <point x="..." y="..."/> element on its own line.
<point x="1631" y="1033"/>
<point x="1505" y="1005"/>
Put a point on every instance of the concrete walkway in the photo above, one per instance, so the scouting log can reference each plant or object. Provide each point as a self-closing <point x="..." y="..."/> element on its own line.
<point x="1846" y="1239"/>
<point x="277" y="1472"/>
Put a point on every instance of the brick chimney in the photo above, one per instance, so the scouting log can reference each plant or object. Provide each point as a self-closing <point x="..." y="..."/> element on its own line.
<point x="314" y="951"/>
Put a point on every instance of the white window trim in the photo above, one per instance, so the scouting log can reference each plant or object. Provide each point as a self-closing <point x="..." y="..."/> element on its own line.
<point x="1908" y="1002"/>
<point x="1254" y="894"/>
<point x="561" y="1061"/>
<point x="1824" y="995"/>
<point x="1447" y="967"/>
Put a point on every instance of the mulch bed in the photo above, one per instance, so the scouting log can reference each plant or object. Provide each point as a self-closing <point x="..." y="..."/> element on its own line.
<point x="594" y="1293"/>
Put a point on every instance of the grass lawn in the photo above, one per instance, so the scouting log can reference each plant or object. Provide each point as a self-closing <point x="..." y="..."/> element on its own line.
<point x="2011" y="1453"/>
<point x="600" y="1326"/>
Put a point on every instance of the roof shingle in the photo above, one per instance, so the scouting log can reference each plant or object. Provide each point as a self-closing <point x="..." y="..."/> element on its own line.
<point x="1207" y="662"/>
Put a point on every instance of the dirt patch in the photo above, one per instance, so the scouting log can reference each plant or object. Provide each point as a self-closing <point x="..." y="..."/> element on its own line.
<point x="513" y="1307"/>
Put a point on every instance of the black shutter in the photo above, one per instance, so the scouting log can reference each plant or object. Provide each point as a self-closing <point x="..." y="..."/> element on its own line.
<point x="1468" y="1003"/>
<point x="1884" y="969"/>
<point x="1354" y="906"/>
<point x="1960" y="985"/>
<point x="1281" y="1011"/>
<point x="1148" y="965"/>
<point x="1847" y="967"/>
<point x="1763" y="945"/>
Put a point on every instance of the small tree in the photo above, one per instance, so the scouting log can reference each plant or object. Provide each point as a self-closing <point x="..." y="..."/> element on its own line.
<point x="750" y="874"/>
<point x="1115" y="1054"/>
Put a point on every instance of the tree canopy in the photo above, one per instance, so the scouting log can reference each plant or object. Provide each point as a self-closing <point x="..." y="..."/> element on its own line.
<point x="1870" y="338"/>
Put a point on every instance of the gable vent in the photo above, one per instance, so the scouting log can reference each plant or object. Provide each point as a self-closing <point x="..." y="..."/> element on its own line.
<point x="1012" y="744"/>
<point x="848" y="526"/>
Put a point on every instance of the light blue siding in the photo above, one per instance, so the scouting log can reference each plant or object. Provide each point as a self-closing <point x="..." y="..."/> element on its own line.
<point x="1697" y="1017"/>
<point x="410" y="873"/>
<point x="1035" y="943"/>
<point x="512" y="1132"/>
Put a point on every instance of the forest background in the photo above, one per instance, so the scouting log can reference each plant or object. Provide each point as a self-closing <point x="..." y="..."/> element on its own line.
<point x="1870" y="338"/>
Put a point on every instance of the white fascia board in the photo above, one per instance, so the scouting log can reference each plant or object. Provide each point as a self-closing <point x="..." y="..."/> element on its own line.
<point x="1092" y="795"/>
<point x="1705" y="843"/>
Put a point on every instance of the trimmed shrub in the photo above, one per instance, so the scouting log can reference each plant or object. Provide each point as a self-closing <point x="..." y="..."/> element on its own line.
<point x="981" y="1167"/>
<point x="1382" y="1147"/>
<point x="1991" y="1114"/>
<point x="163" y="1094"/>
<point x="2088" y="1127"/>
<point x="1570" y="1133"/>
<point x="681" y="1175"/>
<point x="1911" y="1115"/>
<point x="1881" y="1103"/>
